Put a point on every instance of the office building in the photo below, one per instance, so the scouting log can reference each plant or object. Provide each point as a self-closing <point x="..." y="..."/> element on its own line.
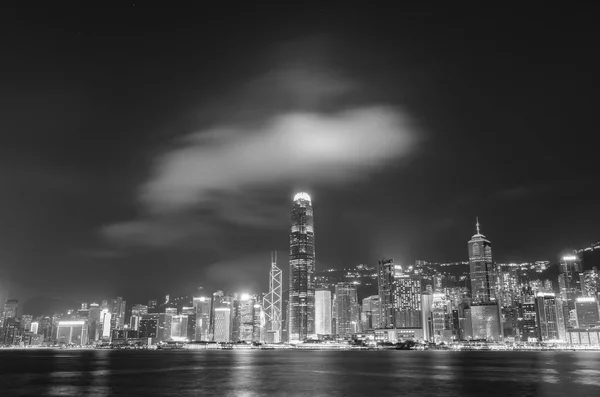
<point x="137" y="311"/>
<point x="370" y="313"/>
<point x="302" y="268"/>
<point x="546" y="316"/>
<point x="72" y="332"/>
<point x="482" y="270"/>
<point x="586" y="312"/>
<point x="148" y="326"/>
<point x="222" y="324"/>
<point x="323" y="312"/>
<point x="485" y="321"/>
<point x="94" y="321"/>
<point x="273" y="302"/>
<point x="347" y="310"/>
<point x="407" y="299"/>
<point x="569" y="279"/>
<point x="202" y="305"/>
<point x="590" y="282"/>
<point x="385" y="282"/>
<point x="246" y="325"/>
<point x="426" y="319"/>
<point x="528" y="328"/>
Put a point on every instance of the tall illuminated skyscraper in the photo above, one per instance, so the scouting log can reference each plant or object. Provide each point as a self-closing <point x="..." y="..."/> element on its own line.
<point x="385" y="282"/>
<point x="346" y="309"/>
<point x="407" y="301"/>
<point x="483" y="275"/>
<point x="302" y="268"/>
<point x="272" y="302"/>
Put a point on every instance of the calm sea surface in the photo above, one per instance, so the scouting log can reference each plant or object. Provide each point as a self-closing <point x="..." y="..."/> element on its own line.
<point x="298" y="373"/>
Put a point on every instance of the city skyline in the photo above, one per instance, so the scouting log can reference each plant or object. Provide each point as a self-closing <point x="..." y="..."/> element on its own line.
<point x="417" y="303"/>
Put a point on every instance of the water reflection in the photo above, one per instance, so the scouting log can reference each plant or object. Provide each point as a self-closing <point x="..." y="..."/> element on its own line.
<point x="298" y="373"/>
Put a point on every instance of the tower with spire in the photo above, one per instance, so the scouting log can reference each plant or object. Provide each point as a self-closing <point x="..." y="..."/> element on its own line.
<point x="481" y="266"/>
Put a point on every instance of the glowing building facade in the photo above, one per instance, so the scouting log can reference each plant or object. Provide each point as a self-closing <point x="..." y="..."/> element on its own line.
<point x="369" y="315"/>
<point x="407" y="301"/>
<point x="385" y="279"/>
<point x="546" y="316"/>
<point x="323" y="312"/>
<point x="586" y="312"/>
<point x="302" y="267"/>
<point x="222" y="324"/>
<point x="272" y="303"/>
<point x="73" y="332"/>
<point x="347" y="310"/>
<point x="202" y="305"/>
<point x="482" y="271"/>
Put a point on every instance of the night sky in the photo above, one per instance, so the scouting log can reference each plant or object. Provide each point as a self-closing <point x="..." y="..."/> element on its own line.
<point x="147" y="151"/>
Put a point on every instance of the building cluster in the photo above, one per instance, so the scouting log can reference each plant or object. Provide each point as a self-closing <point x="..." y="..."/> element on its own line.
<point x="386" y="303"/>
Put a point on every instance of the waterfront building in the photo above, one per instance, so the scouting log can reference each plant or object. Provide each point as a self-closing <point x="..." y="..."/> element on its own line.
<point x="370" y="312"/>
<point x="569" y="280"/>
<point x="302" y="268"/>
<point x="583" y="337"/>
<point x="485" y="321"/>
<point x="136" y="314"/>
<point x="590" y="282"/>
<point x="148" y="326"/>
<point x="426" y="320"/>
<point x="323" y="312"/>
<point x="202" y="304"/>
<point x="546" y="316"/>
<point x="347" y="309"/>
<point x="222" y="324"/>
<point x="178" y="327"/>
<point x="94" y="322"/>
<point x="35" y="327"/>
<point x="587" y="313"/>
<point x="385" y="281"/>
<point x="482" y="270"/>
<point x="26" y="320"/>
<point x="106" y="324"/>
<point x="528" y="327"/>
<point x="272" y="302"/>
<point x="72" y="332"/>
<point x="439" y="310"/>
<point x="246" y="324"/>
<point x="407" y="301"/>
<point x="117" y="310"/>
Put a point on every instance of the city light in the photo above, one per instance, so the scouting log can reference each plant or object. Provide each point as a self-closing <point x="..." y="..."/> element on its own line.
<point x="569" y="258"/>
<point x="71" y="323"/>
<point x="302" y="196"/>
<point x="586" y="299"/>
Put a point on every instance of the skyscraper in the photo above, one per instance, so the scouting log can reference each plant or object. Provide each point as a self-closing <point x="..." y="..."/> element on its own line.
<point x="347" y="309"/>
<point x="323" y="312"/>
<point x="546" y="316"/>
<point x="569" y="279"/>
<point x="272" y="302"/>
<point x="222" y="324"/>
<point x="385" y="281"/>
<point x="483" y="277"/>
<point x="485" y="312"/>
<point x="370" y="312"/>
<point x="407" y="301"/>
<point x="203" y="315"/>
<point x="246" y="326"/>
<point x="302" y="267"/>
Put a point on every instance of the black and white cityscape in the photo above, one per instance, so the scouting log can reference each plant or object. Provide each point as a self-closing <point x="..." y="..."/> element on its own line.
<point x="474" y="304"/>
<point x="297" y="199"/>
